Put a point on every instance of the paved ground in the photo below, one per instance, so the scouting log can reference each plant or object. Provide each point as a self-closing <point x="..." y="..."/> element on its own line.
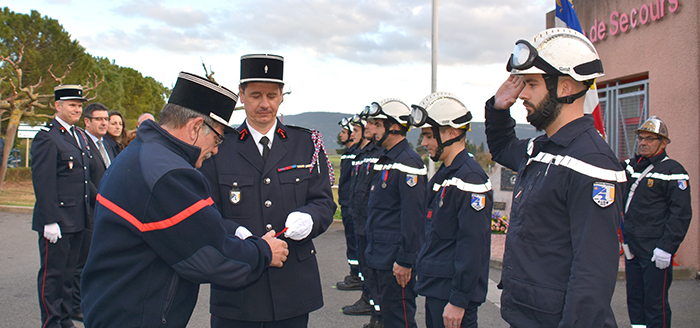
<point x="19" y="260"/>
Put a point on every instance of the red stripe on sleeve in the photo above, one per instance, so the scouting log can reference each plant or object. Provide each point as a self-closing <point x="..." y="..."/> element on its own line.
<point x="159" y="225"/>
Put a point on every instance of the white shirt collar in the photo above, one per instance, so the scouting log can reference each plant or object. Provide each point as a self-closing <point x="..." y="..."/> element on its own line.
<point x="63" y="123"/>
<point x="257" y="136"/>
<point x="94" y="139"/>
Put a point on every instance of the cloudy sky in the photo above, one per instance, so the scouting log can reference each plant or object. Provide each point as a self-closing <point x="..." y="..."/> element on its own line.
<point x="340" y="55"/>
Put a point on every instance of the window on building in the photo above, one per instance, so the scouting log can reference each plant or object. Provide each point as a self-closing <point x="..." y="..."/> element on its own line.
<point x="624" y="105"/>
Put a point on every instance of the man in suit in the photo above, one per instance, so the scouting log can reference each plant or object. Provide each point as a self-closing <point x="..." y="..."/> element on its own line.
<point x="96" y="118"/>
<point x="271" y="176"/>
<point x="60" y="174"/>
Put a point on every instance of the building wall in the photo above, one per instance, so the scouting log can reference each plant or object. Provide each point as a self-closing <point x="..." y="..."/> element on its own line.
<point x="668" y="50"/>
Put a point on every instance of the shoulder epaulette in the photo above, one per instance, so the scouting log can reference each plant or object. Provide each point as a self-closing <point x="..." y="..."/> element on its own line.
<point x="300" y="128"/>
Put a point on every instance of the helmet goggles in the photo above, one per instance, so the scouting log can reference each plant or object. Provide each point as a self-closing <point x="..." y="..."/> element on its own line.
<point x="526" y="56"/>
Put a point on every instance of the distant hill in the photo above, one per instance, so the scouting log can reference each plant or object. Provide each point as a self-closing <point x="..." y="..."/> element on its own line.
<point x="327" y="124"/>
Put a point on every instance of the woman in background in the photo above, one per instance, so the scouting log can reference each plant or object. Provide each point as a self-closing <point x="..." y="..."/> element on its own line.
<point x="116" y="132"/>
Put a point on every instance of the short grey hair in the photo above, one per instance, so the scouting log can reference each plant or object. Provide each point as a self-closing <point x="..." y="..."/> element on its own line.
<point x="176" y="116"/>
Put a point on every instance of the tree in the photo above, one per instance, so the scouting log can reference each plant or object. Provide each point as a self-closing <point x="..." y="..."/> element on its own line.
<point x="30" y="46"/>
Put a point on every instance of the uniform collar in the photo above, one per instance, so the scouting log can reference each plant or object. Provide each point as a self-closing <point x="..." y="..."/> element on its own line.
<point x="656" y="159"/>
<point x="63" y="123"/>
<point x="151" y="132"/>
<point x="460" y="159"/>
<point x="397" y="149"/>
<point x="572" y="130"/>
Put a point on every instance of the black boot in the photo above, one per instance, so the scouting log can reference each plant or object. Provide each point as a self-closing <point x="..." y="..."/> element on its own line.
<point x="351" y="282"/>
<point x="374" y="322"/>
<point x="361" y="307"/>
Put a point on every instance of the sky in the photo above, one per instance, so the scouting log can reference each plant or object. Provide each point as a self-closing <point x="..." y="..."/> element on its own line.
<point x="339" y="55"/>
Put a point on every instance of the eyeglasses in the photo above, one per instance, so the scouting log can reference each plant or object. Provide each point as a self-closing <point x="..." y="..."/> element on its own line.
<point x="647" y="139"/>
<point x="99" y="119"/>
<point x="220" y="139"/>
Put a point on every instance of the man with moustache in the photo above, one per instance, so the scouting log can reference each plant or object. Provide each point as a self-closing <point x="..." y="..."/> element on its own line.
<point x="562" y="252"/>
<point x="657" y="217"/>
<point x="96" y="119"/>
<point x="61" y="176"/>
<point x="271" y="176"/>
<point x="159" y="234"/>
<point x="453" y="265"/>
<point x="352" y="281"/>
<point x="395" y="216"/>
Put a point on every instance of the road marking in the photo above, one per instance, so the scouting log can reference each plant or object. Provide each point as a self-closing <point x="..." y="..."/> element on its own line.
<point x="494" y="294"/>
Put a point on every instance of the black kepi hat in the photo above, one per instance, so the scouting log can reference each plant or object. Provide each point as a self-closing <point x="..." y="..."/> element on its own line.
<point x="262" y="68"/>
<point x="204" y="96"/>
<point x="69" y="92"/>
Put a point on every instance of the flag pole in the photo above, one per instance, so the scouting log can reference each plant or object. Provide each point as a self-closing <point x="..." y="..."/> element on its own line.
<point x="433" y="79"/>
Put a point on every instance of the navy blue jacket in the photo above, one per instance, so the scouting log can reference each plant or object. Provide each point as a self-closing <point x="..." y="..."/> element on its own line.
<point x="453" y="263"/>
<point x="158" y="236"/>
<point x="660" y="212"/>
<point x="396" y="208"/>
<point x="61" y="177"/>
<point x="562" y="249"/>
<point x="344" y="192"/>
<point x="362" y="175"/>
<point x="259" y="195"/>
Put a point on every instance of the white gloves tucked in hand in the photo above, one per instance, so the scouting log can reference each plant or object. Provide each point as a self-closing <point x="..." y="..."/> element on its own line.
<point x="243" y="232"/>
<point x="52" y="232"/>
<point x="662" y="258"/>
<point x="299" y="225"/>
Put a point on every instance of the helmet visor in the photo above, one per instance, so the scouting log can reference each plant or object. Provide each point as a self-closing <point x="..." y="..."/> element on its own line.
<point x="418" y="116"/>
<point x="523" y="56"/>
<point x="375" y="109"/>
<point x="365" y="112"/>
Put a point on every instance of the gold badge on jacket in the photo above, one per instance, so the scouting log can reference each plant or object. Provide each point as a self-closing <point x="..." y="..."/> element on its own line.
<point x="650" y="183"/>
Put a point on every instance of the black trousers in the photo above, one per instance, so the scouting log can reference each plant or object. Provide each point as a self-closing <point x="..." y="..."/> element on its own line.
<point x="55" y="278"/>
<point x="84" y="249"/>
<point x="350" y="240"/>
<point x="367" y="275"/>
<point x="301" y="321"/>
<point x="647" y="293"/>
<point x="398" y="305"/>
<point x="434" y="308"/>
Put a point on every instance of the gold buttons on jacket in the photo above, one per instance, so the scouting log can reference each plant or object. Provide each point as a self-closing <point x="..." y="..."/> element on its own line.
<point x="266" y="181"/>
<point x="297" y="180"/>
<point x="268" y="203"/>
<point x="235" y="184"/>
<point x="268" y="227"/>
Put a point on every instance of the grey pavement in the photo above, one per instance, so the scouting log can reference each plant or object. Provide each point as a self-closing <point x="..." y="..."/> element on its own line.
<point x="19" y="307"/>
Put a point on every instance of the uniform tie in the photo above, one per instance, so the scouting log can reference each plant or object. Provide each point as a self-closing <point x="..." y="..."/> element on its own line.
<point x="103" y="153"/>
<point x="266" y="150"/>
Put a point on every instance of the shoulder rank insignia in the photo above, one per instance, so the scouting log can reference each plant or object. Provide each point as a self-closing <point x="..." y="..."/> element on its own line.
<point x="603" y="193"/>
<point x="478" y="201"/>
<point x="243" y="134"/>
<point x="682" y="184"/>
<point x="411" y="180"/>
<point x="281" y="133"/>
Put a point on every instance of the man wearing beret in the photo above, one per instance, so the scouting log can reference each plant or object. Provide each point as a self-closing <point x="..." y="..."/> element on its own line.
<point x="60" y="174"/>
<point x="157" y="234"/>
<point x="271" y="177"/>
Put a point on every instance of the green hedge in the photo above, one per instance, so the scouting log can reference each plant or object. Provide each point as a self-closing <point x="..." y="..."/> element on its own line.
<point x="19" y="174"/>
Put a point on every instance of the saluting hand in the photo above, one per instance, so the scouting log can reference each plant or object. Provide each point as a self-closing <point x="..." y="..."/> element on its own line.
<point x="403" y="275"/>
<point x="508" y="92"/>
<point x="278" y="248"/>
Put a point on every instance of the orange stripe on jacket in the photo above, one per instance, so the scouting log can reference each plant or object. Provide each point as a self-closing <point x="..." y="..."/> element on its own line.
<point x="164" y="224"/>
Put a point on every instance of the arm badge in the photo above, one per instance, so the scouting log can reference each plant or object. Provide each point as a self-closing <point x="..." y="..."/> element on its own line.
<point x="603" y="193"/>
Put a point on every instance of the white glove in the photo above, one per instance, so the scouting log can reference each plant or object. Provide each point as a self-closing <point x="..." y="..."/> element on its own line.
<point x="298" y="225"/>
<point x="243" y="233"/>
<point x="662" y="258"/>
<point x="52" y="232"/>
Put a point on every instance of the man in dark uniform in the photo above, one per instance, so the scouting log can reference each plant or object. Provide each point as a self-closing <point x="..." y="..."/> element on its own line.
<point x="362" y="173"/>
<point x="453" y="264"/>
<point x="96" y="118"/>
<point x="562" y="251"/>
<point x="61" y="176"/>
<point x="157" y="234"/>
<point x="657" y="216"/>
<point x="395" y="216"/>
<point x="271" y="176"/>
<point x="352" y="281"/>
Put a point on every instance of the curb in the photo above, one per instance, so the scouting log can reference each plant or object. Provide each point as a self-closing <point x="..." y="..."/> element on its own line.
<point x="679" y="272"/>
<point x="17" y="209"/>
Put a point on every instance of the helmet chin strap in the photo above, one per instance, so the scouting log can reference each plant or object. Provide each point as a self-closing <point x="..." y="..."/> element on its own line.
<point x="441" y="146"/>
<point x="538" y="119"/>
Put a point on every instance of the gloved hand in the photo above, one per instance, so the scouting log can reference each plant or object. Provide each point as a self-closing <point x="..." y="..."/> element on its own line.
<point x="662" y="258"/>
<point x="52" y="232"/>
<point x="243" y="233"/>
<point x="299" y="225"/>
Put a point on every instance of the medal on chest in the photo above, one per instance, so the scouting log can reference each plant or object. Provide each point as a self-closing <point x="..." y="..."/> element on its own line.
<point x="235" y="194"/>
<point x="385" y="176"/>
<point x="70" y="163"/>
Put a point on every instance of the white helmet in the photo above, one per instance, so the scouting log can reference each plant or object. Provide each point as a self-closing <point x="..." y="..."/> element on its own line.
<point x="557" y="51"/>
<point x="440" y="109"/>
<point x="390" y="108"/>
